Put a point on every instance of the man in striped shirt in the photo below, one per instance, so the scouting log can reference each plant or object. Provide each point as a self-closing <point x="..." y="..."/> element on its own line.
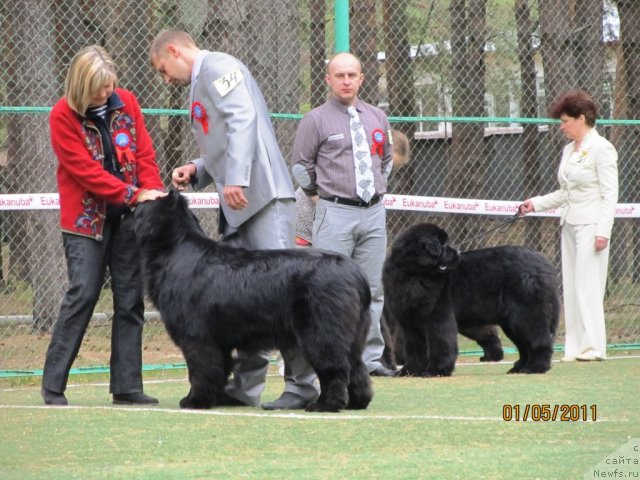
<point x="323" y="165"/>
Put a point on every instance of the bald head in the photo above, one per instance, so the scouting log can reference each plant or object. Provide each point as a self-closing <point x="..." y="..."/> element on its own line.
<point x="344" y="77"/>
<point x="342" y="58"/>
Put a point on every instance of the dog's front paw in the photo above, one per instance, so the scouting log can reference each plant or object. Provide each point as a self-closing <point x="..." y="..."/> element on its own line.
<point x="435" y="373"/>
<point x="321" y="407"/>
<point x="192" y="403"/>
<point x="492" y="356"/>
<point x="407" y="371"/>
<point x="518" y="370"/>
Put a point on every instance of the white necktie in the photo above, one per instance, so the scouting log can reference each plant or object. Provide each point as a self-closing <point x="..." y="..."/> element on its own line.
<point x="361" y="157"/>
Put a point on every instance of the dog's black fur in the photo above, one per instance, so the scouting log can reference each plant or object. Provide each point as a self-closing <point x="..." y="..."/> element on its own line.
<point x="432" y="292"/>
<point x="486" y="336"/>
<point x="214" y="298"/>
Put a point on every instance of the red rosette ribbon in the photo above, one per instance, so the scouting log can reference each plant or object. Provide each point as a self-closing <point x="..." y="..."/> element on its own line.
<point x="378" y="138"/>
<point x="200" y="114"/>
<point x="122" y="141"/>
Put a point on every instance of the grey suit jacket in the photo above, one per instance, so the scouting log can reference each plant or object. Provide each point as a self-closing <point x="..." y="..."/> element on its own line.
<point x="588" y="191"/>
<point x="240" y="147"/>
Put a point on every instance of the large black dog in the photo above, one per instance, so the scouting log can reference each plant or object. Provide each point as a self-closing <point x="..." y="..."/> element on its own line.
<point x="214" y="298"/>
<point x="431" y="292"/>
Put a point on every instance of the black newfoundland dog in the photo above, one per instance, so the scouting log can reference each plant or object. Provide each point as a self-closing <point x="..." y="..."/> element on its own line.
<point x="432" y="292"/>
<point x="214" y="298"/>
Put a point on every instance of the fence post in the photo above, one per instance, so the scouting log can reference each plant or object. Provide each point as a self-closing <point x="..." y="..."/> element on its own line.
<point x="342" y="25"/>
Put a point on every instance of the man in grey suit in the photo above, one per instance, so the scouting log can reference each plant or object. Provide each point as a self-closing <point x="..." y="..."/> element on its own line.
<point x="230" y="120"/>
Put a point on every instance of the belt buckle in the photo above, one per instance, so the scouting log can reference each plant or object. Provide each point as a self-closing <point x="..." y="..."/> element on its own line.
<point x="371" y="202"/>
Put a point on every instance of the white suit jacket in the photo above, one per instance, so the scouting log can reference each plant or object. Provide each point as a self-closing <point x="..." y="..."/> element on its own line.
<point x="240" y="146"/>
<point x="588" y="179"/>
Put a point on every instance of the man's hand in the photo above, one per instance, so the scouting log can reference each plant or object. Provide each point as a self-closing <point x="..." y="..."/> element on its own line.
<point x="234" y="197"/>
<point x="181" y="176"/>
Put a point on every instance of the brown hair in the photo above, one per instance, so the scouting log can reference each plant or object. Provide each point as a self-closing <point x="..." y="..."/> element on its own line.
<point x="400" y="148"/>
<point x="574" y="104"/>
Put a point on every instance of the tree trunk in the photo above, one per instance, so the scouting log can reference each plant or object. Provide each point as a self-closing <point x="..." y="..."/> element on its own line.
<point x="559" y="75"/>
<point x="398" y="64"/>
<point x="588" y="48"/>
<point x="528" y="109"/>
<point x="31" y="161"/>
<point x="317" y="52"/>
<point x="364" y="44"/>
<point x="399" y="72"/>
<point x="467" y="163"/>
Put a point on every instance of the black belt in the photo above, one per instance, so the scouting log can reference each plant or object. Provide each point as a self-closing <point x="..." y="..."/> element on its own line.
<point x="354" y="203"/>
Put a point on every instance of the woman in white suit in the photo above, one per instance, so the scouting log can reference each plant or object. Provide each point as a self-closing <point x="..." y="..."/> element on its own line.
<point x="588" y="194"/>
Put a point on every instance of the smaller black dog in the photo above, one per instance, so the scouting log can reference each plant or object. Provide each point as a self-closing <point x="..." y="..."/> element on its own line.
<point x="214" y="298"/>
<point x="432" y="292"/>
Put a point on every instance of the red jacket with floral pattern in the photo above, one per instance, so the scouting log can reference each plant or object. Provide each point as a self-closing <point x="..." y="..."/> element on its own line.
<point x="84" y="186"/>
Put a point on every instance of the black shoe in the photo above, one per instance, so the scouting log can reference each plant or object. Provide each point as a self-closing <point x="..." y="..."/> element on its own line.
<point x="138" y="398"/>
<point x="53" y="398"/>
<point x="287" y="401"/>
<point x="383" y="371"/>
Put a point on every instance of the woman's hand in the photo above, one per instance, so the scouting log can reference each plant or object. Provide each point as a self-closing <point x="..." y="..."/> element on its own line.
<point x="601" y="243"/>
<point x="148" y="195"/>
<point x="526" y="207"/>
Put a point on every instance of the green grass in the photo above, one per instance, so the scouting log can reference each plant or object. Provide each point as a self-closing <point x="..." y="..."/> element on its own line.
<point x="414" y="428"/>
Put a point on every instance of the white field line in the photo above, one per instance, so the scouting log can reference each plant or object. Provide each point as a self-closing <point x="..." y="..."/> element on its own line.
<point x="285" y="416"/>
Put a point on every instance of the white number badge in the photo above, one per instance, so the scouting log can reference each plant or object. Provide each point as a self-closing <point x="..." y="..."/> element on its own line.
<point x="228" y="82"/>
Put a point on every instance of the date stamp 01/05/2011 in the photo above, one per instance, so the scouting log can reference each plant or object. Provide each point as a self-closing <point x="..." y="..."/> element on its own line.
<point x="547" y="412"/>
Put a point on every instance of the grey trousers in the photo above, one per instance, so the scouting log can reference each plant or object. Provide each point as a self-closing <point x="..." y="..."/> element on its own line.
<point x="359" y="233"/>
<point x="271" y="228"/>
<point x="87" y="261"/>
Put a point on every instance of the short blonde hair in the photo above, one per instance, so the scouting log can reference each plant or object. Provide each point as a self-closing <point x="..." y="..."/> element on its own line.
<point x="177" y="37"/>
<point x="90" y="70"/>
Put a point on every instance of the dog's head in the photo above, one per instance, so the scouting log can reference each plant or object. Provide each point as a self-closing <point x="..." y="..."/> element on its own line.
<point x="425" y="247"/>
<point x="165" y="219"/>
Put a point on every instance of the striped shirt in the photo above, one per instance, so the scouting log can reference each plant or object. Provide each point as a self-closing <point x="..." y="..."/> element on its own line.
<point x="323" y="155"/>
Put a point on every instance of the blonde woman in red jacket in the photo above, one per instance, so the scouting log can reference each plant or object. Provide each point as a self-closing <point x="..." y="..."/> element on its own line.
<point x="106" y="165"/>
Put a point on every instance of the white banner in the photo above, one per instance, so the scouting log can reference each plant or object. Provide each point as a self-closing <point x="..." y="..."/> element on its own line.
<point x="50" y="201"/>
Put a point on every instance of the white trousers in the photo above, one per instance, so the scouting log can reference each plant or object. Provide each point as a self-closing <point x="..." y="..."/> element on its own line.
<point x="584" y="279"/>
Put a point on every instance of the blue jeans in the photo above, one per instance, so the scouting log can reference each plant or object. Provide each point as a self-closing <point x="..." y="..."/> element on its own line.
<point x="87" y="261"/>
